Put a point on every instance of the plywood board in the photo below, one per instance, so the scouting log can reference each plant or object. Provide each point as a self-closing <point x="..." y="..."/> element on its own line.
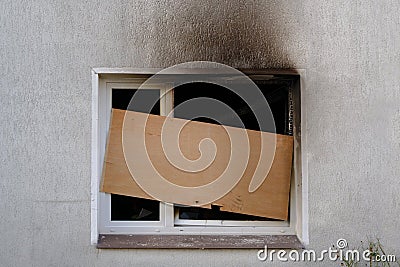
<point x="271" y="199"/>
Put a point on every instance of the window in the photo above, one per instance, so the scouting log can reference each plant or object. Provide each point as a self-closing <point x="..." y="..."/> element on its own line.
<point x="150" y="223"/>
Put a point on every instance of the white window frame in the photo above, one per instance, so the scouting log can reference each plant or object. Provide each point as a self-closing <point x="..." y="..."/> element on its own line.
<point x="103" y="81"/>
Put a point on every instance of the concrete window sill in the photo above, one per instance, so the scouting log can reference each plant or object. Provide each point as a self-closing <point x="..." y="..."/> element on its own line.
<point x="120" y="241"/>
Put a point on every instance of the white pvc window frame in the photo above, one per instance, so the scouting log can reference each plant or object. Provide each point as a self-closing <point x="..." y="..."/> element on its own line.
<point x="103" y="81"/>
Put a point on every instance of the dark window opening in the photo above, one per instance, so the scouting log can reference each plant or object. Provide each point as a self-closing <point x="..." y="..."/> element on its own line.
<point x="124" y="208"/>
<point x="277" y="92"/>
<point x="194" y="213"/>
<point x="143" y="100"/>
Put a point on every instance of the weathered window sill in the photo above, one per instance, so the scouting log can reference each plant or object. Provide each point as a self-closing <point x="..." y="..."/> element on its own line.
<point x="119" y="241"/>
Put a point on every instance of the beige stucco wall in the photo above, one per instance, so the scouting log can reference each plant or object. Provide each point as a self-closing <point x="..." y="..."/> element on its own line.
<point x="350" y="50"/>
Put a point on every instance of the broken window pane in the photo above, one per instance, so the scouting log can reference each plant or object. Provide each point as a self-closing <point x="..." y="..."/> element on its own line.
<point x="125" y="208"/>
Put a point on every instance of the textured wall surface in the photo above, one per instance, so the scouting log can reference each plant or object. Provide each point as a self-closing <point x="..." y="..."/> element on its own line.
<point x="350" y="50"/>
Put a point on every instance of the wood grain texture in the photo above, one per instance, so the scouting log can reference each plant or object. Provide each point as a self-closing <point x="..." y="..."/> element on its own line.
<point x="271" y="199"/>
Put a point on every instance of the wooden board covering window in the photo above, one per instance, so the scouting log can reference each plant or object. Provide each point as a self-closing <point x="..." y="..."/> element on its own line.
<point x="270" y="200"/>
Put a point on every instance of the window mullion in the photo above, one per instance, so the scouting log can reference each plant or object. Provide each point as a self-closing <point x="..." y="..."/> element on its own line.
<point x="166" y="109"/>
